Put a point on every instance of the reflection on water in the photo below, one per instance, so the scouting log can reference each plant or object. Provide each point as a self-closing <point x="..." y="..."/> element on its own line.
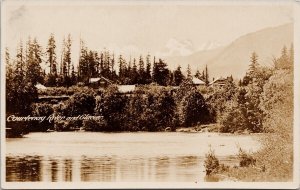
<point x="121" y="157"/>
<point x="53" y="170"/>
<point x="103" y="169"/>
<point x="26" y="168"/>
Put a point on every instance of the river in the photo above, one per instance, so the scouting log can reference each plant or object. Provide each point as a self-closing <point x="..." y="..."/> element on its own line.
<point x="119" y="157"/>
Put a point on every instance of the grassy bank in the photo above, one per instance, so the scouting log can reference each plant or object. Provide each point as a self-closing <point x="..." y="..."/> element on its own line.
<point x="274" y="161"/>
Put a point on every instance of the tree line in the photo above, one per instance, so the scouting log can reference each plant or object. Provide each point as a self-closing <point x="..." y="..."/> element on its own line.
<point x="236" y="107"/>
<point x="62" y="71"/>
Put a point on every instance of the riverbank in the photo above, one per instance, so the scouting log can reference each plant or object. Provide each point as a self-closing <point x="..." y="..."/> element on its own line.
<point x="200" y="128"/>
<point x="208" y="128"/>
<point x="273" y="162"/>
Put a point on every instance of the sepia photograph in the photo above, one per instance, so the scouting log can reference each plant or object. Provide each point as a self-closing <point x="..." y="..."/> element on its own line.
<point x="149" y="94"/>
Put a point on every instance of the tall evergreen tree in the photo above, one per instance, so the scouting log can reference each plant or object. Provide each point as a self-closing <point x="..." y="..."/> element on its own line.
<point x="97" y="63"/>
<point x="101" y="65"/>
<point x="122" y="70"/>
<point x="285" y="61"/>
<point x="66" y="62"/>
<point x="178" y="76"/>
<point x="113" y="74"/>
<point x="73" y="75"/>
<point x="51" y="60"/>
<point x="83" y="73"/>
<point x="20" y="64"/>
<point x="121" y="67"/>
<point x="161" y="73"/>
<point x="134" y="73"/>
<point x="9" y="67"/>
<point x="198" y="74"/>
<point x="33" y="65"/>
<point x="148" y="70"/>
<point x="141" y="71"/>
<point x="67" y="55"/>
<point x="51" y="55"/>
<point x="189" y="73"/>
<point x="206" y="76"/>
<point x="106" y="71"/>
<point x="128" y="77"/>
<point x="253" y="65"/>
<point x="20" y="91"/>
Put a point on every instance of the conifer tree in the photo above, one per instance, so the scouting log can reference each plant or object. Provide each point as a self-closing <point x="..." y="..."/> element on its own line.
<point x="161" y="73"/>
<point x="154" y="70"/>
<point x="51" y="55"/>
<point x="206" y="76"/>
<point x="148" y="70"/>
<point x="20" y="64"/>
<point x="134" y="73"/>
<point x="253" y="65"/>
<point x="189" y="73"/>
<point x="33" y="64"/>
<point x="141" y="71"/>
<point x="51" y="60"/>
<point x="178" y="76"/>
<point x="66" y="61"/>
<point x="198" y="74"/>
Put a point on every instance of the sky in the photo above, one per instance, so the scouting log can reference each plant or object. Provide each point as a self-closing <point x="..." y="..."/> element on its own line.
<point x="161" y="29"/>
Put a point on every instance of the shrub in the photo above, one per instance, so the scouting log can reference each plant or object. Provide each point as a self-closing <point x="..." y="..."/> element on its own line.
<point x="41" y="110"/>
<point x="245" y="159"/>
<point x="61" y="125"/>
<point x="80" y="103"/>
<point x="94" y="125"/>
<point x="217" y="98"/>
<point x="211" y="163"/>
<point x="112" y="107"/>
<point x="16" y="129"/>
<point x="277" y="102"/>
<point x="233" y="120"/>
<point x="193" y="109"/>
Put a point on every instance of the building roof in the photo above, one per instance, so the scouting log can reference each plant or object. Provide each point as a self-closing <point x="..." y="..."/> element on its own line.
<point x="40" y="86"/>
<point x="220" y="79"/>
<point x="197" y="81"/>
<point x="93" y="80"/>
<point x="126" y="88"/>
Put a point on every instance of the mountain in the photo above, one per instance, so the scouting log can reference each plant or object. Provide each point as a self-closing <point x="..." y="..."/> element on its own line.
<point x="233" y="59"/>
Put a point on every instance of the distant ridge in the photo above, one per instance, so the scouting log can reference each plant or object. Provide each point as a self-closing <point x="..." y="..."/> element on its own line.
<point x="233" y="59"/>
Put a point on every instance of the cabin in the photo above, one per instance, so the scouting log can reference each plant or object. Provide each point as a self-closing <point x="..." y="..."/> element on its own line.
<point x="99" y="82"/>
<point x="220" y="82"/>
<point x="197" y="82"/>
<point x="40" y="86"/>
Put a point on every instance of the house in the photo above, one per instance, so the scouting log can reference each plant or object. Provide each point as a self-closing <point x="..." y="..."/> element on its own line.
<point x="99" y="82"/>
<point x="197" y="82"/>
<point x="40" y="86"/>
<point x="219" y="82"/>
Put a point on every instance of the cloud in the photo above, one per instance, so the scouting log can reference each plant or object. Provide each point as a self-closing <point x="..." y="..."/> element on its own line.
<point x="127" y="51"/>
<point x="175" y="47"/>
<point x="17" y="14"/>
<point x="208" y="45"/>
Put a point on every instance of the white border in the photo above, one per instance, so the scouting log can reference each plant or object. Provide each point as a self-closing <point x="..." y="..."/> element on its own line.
<point x="221" y="185"/>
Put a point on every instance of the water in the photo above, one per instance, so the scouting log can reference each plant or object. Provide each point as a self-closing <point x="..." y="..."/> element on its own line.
<point x="118" y="157"/>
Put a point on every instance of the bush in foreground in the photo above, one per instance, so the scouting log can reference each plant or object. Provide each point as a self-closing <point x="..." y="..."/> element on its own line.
<point x="211" y="163"/>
